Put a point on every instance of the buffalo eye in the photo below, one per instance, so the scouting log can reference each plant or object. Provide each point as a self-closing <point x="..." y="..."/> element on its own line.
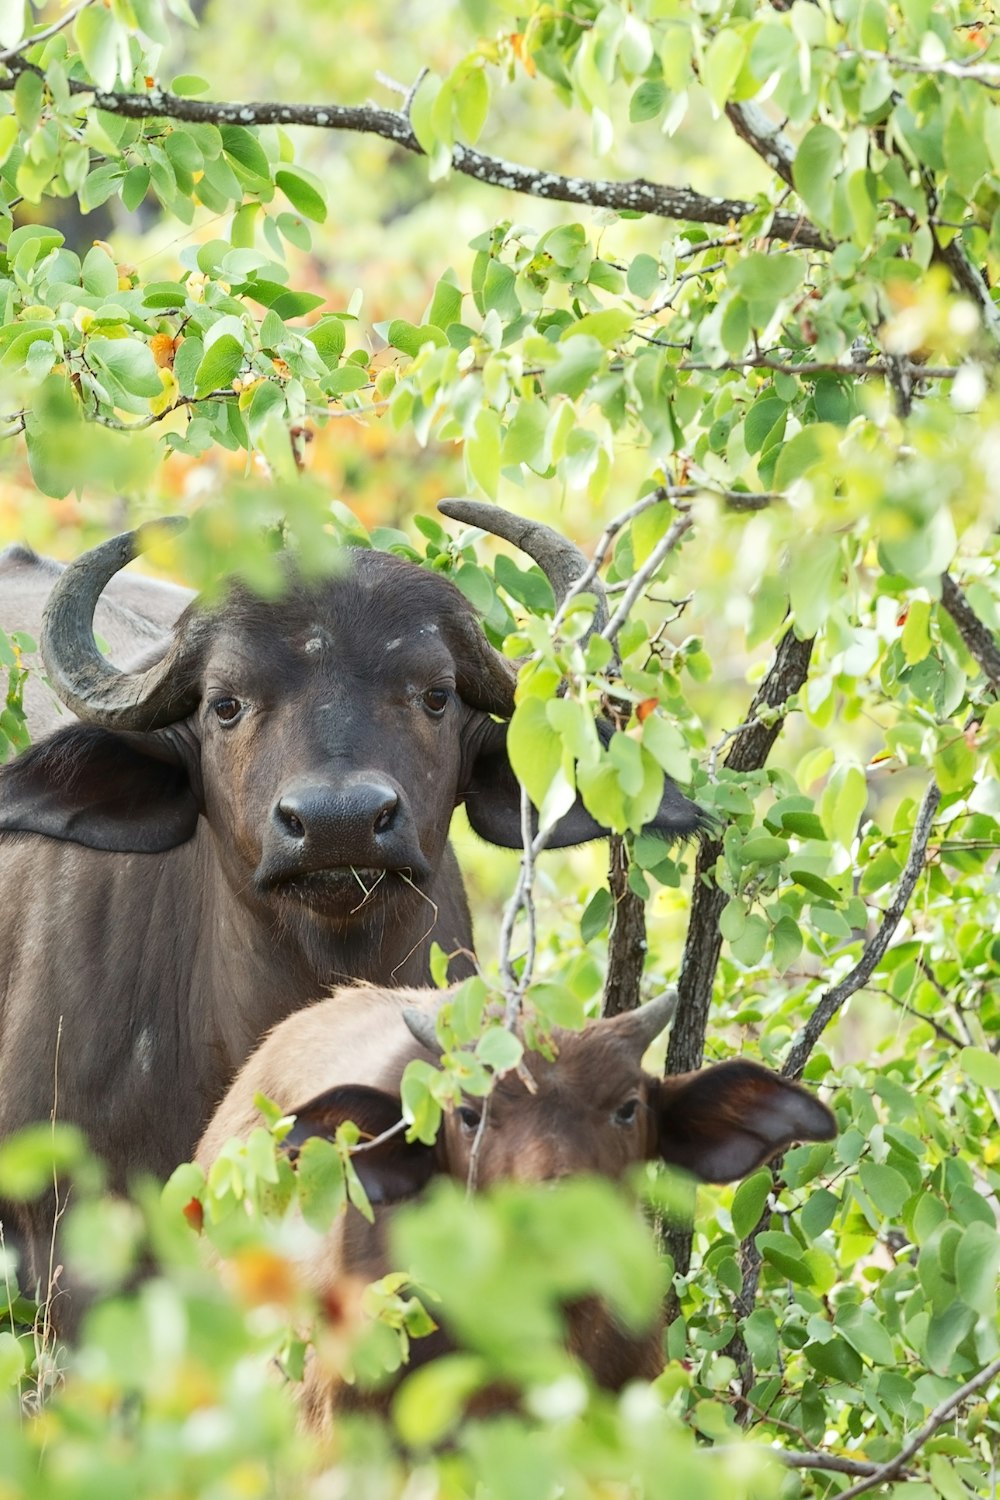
<point x="435" y="700"/>
<point x="227" y="710"/>
<point x="468" y="1117"/>
<point x="627" y="1113"/>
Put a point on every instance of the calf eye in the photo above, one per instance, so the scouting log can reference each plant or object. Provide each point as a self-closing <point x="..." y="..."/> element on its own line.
<point x="627" y="1113"/>
<point x="227" y="710"/>
<point x="469" y="1117"/>
<point x="436" y="700"/>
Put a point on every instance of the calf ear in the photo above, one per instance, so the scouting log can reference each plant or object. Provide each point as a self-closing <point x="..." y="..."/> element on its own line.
<point x="395" y="1168"/>
<point x="493" y="800"/>
<point x="127" y="794"/>
<point x="723" y="1122"/>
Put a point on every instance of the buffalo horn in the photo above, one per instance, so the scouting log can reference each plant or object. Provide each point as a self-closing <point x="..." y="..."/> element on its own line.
<point x="560" y="560"/>
<point x="642" y="1026"/>
<point x="423" y="1028"/>
<point x="85" y="681"/>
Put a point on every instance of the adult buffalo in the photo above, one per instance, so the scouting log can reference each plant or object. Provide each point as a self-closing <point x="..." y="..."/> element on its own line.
<point x="257" y="815"/>
<point x="590" y="1108"/>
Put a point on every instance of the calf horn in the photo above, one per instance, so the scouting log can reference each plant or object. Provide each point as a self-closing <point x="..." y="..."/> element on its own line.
<point x="640" y="1027"/>
<point x="423" y="1027"/>
<point x="85" y="681"/>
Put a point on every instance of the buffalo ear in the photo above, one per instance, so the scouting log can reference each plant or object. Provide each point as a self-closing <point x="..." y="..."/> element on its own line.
<point x="493" y="800"/>
<point x="395" y="1168"/>
<point x="127" y="794"/>
<point x="724" y="1121"/>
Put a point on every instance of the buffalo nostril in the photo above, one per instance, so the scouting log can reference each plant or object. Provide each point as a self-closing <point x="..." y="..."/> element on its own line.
<point x="384" y="819"/>
<point x="293" y="823"/>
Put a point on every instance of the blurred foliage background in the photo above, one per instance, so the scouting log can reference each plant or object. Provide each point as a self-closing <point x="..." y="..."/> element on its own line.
<point x="764" y="370"/>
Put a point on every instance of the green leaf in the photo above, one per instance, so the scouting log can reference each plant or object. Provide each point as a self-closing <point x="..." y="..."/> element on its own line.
<point x="647" y="103"/>
<point x="135" y="186"/>
<point x="446" y="304"/>
<point x="865" y="1334"/>
<point x="843" y="801"/>
<point x="887" y="1188"/>
<point x="816" y="163"/>
<point x="482" y="452"/>
<point x="749" y="1201"/>
<point x="785" y="1253"/>
<point x="13" y="1359"/>
<point x="410" y="339"/>
<point x="596" y="914"/>
<point x="534" y="748"/>
<point x="579" y="360"/>
<point x="242" y="147"/>
<point x="721" y="65"/>
<point x="818" y="1212"/>
<point x="12" y="22"/>
<point x="529" y="587"/>
<point x="608" y="327"/>
<point x="128" y="362"/>
<point x="499" y="1049"/>
<point x="981" y="1066"/>
<point x="750" y="946"/>
<point x="916" y="640"/>
<point x="189" y="84"/>
<point x="471" y="102"/>
<point x="432" y="1401"/>
<point x="99" y="274"/>
<point x="219" y="365"/>
<point x="322" y="1192"/>
<point x="977" y="1265"/>
<point x="786" y="943"/>
<point x="765" y="280"/>
<point x="945" y="1332"/>
<point x="643" y="276"/>
<point x="96" y="33"/>
<point x="302" y="195"/>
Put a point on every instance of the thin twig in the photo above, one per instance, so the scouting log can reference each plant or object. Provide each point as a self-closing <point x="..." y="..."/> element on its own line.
<point x="43" y="36"/>
<point x="649" y="569"/>
<point x="874" y="950"/>
<point x="988" y="74"/>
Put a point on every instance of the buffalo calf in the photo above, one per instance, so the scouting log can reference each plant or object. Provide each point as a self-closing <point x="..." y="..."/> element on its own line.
<point x="590" y="1109"/>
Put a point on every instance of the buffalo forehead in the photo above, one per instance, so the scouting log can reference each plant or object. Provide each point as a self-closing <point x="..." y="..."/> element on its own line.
<point x="369" y="633"/>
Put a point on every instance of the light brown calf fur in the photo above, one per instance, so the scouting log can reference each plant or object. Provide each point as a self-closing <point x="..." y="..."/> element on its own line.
<point x="593" y="1110"/>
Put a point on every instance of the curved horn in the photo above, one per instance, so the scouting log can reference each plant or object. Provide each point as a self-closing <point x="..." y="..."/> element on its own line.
<point x="422" y="1025"/>
<point x="560" y="560"/>
<point x="642" y="1026"/>
<point x="85" y="680"/>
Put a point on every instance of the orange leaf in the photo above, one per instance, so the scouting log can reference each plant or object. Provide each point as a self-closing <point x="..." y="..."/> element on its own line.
<point x="195" y="1214"/>
<point x="163" y="348"/>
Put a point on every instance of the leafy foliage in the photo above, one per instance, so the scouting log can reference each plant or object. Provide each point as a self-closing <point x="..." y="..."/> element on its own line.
<point x="770" y="403"/>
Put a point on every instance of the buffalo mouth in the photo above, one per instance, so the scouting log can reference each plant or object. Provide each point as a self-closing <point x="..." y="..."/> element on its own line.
<point x="340" y="890"/>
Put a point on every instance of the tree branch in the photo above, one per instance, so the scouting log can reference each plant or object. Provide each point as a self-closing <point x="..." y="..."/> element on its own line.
<point x="937" y="1419"/>
<point x="872" y="953"/>
<point x="638" y="196"/>
<point x="627" y="942"/>
<point x="969" y="279"/>
<point x="748" y="752"/>
<point x="767" y="139"/>
<point x="978" y="639"/>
